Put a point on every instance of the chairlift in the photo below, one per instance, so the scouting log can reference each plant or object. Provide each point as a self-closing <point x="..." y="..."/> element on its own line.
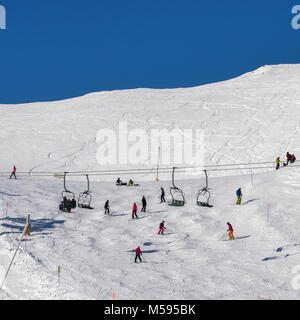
<point x="203" y="196"/>
<point x="177" y="195"/>
<point x="85" y="197"/>
<point x="68" y="198"/>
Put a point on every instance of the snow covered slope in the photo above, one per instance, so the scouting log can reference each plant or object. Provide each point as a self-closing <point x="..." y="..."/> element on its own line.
<point x="251" y="118"/>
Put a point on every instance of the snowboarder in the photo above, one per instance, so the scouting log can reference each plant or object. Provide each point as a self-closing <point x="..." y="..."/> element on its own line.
<point x="106" y="207"/>
<point x="230" y="231"/>
<point x="239" y="196"/>
<point x="162" y="196"/>
<point x="144" y="203"/>
<point x="134" y="210"/>
<point x="277" y="163"/>
<point x="138" y="254"/>
<point x="161" y="228"/>
<point x="130" y="182"/>
<point x="13" y="173"/>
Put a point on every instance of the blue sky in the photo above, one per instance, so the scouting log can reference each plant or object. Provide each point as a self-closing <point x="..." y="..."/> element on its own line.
<point x="59" y="49"/>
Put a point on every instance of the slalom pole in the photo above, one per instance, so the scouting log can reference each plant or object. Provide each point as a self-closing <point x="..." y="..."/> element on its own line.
<point x="157" y="168"/>
<point x="6" y="208"/>
<point x="58" y="274"/>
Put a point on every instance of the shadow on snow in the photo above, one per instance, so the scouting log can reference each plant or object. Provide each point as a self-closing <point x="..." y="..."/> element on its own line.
<point x="38" y="225"/>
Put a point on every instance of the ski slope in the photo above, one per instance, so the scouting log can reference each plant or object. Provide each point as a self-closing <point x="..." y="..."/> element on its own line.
<point x="252" y="118"/>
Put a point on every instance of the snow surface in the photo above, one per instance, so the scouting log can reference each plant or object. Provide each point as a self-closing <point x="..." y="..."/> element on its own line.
<point x="252" y="118"/>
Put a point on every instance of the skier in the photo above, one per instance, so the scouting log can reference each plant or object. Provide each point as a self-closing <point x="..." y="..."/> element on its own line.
<point x="239" y="196"/>
<point x="138" y="253"/>
<point x="161" y="228"/>
<point x="13" y="173"/>
<point x="144" y="203"/>
<point x="134" y="210"/>
<point x="230" y="231"/>
<point x="277" y="163"/>
<point x="106" y="207"/>
<point x="162" y="196"/>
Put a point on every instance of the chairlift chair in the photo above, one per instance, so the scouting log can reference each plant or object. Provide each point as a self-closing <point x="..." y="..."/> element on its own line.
<point x="68" y="198"/>
<point x="175" y="194"/>
<point x="203" y="196"/>
<point x="85" y="197"/>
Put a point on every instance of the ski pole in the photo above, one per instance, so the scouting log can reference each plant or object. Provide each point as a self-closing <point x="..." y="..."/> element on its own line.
<point x="58" y="274"/>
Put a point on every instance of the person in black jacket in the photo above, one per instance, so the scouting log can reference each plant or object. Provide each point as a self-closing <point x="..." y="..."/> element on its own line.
<point x="106" y="207"/>
<point x="144" y="203"/>
<point x="161" y="228"/>
<point x="162" y="196"/>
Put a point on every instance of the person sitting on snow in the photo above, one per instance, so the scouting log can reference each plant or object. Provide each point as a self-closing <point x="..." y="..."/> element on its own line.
<point x="277" y="161"/>
<point x="288" y="158"/>
<point x="130" y="183"/>
<point x="293" y="158"/>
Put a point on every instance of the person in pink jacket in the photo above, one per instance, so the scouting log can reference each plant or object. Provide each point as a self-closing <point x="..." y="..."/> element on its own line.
<point x="13" y="173"/>
<point x="134" y="210"/>
<point x="138" y="253"/>
<point x="161" y="228"/>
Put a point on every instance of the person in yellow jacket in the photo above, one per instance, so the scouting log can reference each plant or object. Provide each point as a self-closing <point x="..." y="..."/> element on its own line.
<point x="28" y="230"/>
<point x="277" y="163"/>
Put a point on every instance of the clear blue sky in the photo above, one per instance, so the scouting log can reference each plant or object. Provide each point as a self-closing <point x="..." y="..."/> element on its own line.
<point x="66" y="48"/>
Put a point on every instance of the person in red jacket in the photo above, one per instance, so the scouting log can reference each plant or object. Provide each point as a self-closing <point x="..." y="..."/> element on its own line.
<point x="13" y="173"/>
<point x="161" y="228"/>
<point x="134" y="210"/>
<point x="230" y="231"/>
<point x="288" y="158"/>
<point x="138" y="253"/>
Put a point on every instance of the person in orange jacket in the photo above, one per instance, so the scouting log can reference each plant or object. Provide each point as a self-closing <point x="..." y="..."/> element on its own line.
<point x="230" y="231"/>
<point x="134" y="210"/>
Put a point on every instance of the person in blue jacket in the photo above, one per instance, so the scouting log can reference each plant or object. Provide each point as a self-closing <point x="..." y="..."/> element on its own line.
<point x="239" y="196"/>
